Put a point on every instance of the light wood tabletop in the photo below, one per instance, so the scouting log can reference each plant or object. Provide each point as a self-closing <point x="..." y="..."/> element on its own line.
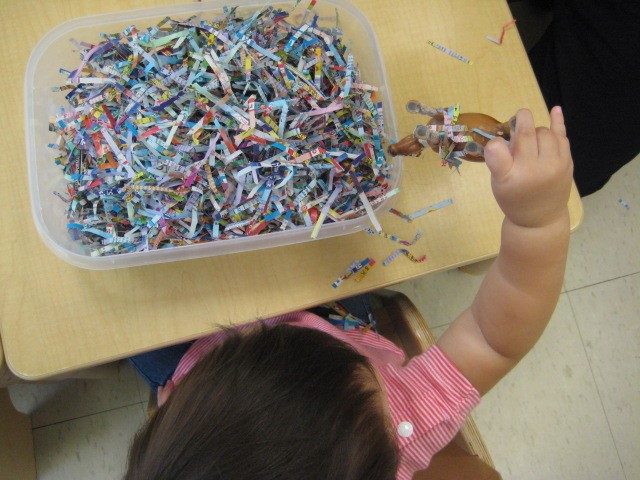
<point x="57" y="318"/>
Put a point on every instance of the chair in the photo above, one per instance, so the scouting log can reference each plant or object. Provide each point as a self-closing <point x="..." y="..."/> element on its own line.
<point x="16" y="442"/>
<point x="18" y="399"/>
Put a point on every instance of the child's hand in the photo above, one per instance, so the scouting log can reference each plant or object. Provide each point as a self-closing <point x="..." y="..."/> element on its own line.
<point x="531" y="176"/>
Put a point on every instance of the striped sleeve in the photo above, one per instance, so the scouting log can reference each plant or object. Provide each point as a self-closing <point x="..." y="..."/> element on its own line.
<point x="431" y="395"/>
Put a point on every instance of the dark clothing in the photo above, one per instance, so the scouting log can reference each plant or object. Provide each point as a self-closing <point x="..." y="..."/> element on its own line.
<point x="588" y="61"/>
<point x="157" y="366"/>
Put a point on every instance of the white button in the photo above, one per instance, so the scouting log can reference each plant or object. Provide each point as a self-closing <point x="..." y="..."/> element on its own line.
<point x="405" y="429"/>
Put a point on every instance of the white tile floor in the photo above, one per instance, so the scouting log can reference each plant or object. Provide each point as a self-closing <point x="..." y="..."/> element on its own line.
<point x="570" y="410"/>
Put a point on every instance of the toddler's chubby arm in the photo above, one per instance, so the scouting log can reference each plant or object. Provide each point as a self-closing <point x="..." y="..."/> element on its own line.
<point x="531" y="181"/>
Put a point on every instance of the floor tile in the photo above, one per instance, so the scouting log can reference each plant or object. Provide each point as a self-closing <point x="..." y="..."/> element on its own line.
<point x="441" y="297"/>
<point x="91" y="447"/>
<point x="606" y="245"/>
<point x="84" y="397"/>
<point x="545" y="420"/>
<point x="608" y="316"/>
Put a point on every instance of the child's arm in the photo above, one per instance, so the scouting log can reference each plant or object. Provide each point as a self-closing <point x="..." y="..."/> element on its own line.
<point x="531" y="180"/>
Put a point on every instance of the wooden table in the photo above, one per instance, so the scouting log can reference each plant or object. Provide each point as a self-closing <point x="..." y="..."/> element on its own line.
<point x="57" y="318"/>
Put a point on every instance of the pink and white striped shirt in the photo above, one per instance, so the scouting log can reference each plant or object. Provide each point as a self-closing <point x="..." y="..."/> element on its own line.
<point x="428" y="397"/>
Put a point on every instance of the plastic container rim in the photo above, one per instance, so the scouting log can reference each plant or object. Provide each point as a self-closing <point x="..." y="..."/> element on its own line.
<point x="187" y="252"/>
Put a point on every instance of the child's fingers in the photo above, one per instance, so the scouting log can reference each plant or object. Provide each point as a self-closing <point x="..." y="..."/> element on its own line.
<point x="559" y="128"/>
<point x="498" y="157"/>
<point x="557" y="122"/>
<point x="565" y="148"/>
<point x="524" y="143"/>
<point x="547" y="144"/>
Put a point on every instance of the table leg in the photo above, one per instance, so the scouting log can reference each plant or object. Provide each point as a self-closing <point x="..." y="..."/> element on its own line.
<point x="16" y="442"/>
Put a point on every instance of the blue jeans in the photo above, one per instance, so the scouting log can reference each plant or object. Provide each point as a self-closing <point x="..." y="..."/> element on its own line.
<point x="157" y="366"/>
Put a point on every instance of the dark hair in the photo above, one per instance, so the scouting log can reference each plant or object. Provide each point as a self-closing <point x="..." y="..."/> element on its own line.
<point x="280" y="403"/>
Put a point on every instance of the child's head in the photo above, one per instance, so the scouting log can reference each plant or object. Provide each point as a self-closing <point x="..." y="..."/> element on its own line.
<point x="275" y="403"/>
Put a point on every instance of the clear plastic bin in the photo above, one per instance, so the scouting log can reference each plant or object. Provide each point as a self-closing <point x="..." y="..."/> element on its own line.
<point x="54" y="51"/>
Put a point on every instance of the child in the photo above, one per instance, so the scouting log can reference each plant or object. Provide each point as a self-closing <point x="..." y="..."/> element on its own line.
<point x="295" y="398"/>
